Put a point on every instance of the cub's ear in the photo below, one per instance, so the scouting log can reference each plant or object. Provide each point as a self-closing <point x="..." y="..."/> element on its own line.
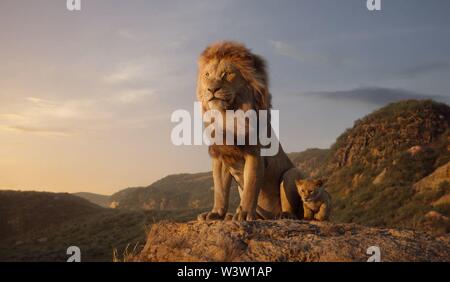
<point x="299" y="182"/>
<point x="319" y="182"/>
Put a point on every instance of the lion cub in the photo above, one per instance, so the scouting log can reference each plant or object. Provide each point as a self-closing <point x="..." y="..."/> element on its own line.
<point x="316" y="201"/>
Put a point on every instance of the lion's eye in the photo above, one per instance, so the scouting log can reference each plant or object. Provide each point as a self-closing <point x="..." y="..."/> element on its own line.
<point x="224" y="75"/>
<point x="207" y="74"/>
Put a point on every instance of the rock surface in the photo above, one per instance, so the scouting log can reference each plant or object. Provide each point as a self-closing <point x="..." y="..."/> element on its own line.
<point x="433" y="180"/>
<point x="391" y="129"/>
<point x="287" y="240"/>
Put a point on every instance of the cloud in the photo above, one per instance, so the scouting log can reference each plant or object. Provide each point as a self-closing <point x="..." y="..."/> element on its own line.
<point x="40" y="102"/>
<point x="285" y="49"/>
<point x="126" y="73"/>
<point x="145" y="71"/>
<point x="133" y="95"/>
<point x="126" y="108"/>
<point x="42" y="130"/>
<point x="374" y="95"/>
<point x="52" y="117"/>
<point x="69" y="109"/>
<point x="294" y="52"/>
<point x="127" y="34"/>
<point x="282" y="48"/>
<point x="11" y="117"/>
<point x="426" y="68"/>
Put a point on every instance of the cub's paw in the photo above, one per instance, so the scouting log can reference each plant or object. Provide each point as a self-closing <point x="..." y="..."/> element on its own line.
<point x="287" y="215"/>
<point x="319" y="218"/>
<point x="210" y="216"/>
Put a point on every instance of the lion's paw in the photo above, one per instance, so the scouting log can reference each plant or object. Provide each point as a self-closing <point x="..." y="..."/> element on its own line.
<point x="206" y="216"/>
<point x="228" y="217"/>
<point x="244" y="216"/>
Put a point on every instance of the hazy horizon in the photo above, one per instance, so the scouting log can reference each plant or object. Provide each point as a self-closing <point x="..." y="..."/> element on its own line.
<point x="86" y="96"/>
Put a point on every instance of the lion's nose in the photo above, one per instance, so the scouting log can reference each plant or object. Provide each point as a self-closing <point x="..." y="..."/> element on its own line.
<point x="214" y="89"/>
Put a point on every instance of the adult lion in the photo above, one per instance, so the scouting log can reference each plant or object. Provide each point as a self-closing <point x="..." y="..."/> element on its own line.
<point x="231" y="77"/>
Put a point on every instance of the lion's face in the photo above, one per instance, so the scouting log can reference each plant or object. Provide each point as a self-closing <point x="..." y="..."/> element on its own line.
<point x="220" y="84"/>
<point x="230" y="77"/>
<point x="309" y="190"/>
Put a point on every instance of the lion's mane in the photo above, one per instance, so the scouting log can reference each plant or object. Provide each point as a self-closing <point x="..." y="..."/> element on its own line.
<point x="252" y="67"/>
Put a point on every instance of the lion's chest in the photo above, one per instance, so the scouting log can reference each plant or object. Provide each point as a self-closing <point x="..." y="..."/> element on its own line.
<point x="314" y="206"/>
<point x="233" y="159"/>
<point x="237" y="171"/>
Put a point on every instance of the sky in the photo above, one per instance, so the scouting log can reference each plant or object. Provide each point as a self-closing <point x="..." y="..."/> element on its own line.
<point x="86" y="96"/>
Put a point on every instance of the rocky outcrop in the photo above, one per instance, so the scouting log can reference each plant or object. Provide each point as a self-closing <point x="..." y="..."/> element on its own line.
<point x="433" y="180"/>
<point x="394" y="128"/>
<point x="287" y="240"/>
<point x="387" y="170"/>
<point x="380" y="177"/>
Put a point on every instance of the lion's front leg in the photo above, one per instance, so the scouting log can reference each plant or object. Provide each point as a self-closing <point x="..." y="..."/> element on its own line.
<point x="323" y="212"/>
<point x="253" y="176"/>
<point x="222" y="183"/>
<point x="308" y="214"/>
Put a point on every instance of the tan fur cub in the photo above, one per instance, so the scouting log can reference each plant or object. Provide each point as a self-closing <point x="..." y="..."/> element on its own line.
<point x="316" y="201"/>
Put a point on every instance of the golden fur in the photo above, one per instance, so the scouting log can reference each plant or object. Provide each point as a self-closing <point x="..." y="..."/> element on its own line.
<point x="231" y="77"/>
<point x="251" y="67"/>
<point x="316" y="201"/>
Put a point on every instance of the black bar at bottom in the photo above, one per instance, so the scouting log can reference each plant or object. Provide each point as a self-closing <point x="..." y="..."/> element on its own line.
<point x="224" y="271"/>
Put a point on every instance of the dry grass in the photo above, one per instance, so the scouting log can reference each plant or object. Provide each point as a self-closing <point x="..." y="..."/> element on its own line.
<point x="127" y="255"/>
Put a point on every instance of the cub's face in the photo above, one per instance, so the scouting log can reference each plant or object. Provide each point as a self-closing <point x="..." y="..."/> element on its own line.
<point x="219" y="83"/>
<point x="309" y="189"/>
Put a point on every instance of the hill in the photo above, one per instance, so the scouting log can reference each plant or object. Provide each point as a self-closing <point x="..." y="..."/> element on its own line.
<point x="173" y="192"/>
<point x="22" y="212"/>
<point x="100" y="200"/>
<point x="40" y="226"/>
<point x="286" y="240"/>
<point x="374" y="168"/>
<point x="100" y="237"/>
<point x="310" y="161"/>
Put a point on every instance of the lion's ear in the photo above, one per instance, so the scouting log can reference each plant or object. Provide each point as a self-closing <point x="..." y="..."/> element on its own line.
<point x="319" y="182"/>
<point x="299" y="182"/>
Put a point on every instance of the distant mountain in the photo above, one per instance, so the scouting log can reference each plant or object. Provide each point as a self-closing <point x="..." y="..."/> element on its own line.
<point x="22" y="212"/>
<point x="173" y="192"/>
<point x="100" y="200"/>
<point x="310" y="161"/>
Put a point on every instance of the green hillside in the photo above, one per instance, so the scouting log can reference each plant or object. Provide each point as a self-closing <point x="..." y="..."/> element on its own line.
<point x="40" y="226"/>
<point x="100" y="200"/>
<point x="173" y="192"/>
<point x="374" y="167"/>
<point x="22" y="212"/>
